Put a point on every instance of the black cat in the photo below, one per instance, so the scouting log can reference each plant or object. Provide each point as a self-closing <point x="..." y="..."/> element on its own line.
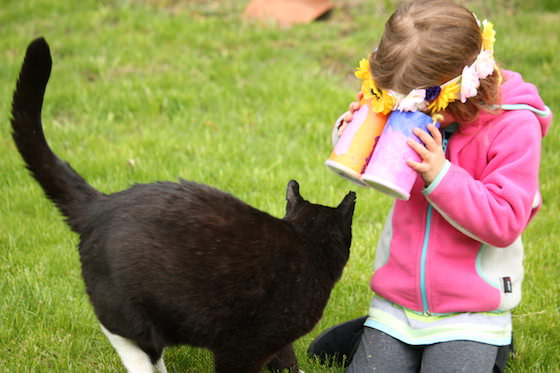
<point x="183" y="263"/>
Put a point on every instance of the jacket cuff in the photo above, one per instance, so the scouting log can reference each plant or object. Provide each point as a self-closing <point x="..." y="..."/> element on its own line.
<point x="433" y="185"/>
<point x="337" y="124"/>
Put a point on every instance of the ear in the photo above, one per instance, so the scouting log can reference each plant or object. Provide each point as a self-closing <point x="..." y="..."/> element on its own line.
<point x="346" y="207"/>
<point x="292" y="195"/>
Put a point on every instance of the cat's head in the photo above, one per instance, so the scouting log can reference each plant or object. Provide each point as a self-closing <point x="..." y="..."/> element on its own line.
<point x="329" y="226"/>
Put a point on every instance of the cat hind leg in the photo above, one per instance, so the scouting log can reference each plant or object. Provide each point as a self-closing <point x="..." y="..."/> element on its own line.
<point x="227" y="362"/>
<point x="133" y="358"/>
<point x="284" y="359"/>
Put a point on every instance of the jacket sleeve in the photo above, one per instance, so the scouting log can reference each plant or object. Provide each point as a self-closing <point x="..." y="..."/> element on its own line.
<point x="495" y="207"/>
<point x="337" y="125"/>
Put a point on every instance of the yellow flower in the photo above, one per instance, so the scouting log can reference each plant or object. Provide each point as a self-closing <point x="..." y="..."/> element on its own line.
<point x="363" y="71"/>
<point x="384" y="104"/>
<point x="380" y="101"/>
<point x="448" y="94"/>
<point x="370" y="90"/>
<point x="488" y="36"/>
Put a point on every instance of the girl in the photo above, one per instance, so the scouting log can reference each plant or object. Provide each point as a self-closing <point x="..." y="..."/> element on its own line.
<point x="448" y="265"/>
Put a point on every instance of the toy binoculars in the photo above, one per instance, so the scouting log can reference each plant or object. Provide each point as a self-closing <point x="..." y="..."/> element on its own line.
<point x="372" y="150"/>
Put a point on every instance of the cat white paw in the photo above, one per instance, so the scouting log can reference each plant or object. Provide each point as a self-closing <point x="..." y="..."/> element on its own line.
<point x="133" y="358"/>
<point x="160" y="366"/>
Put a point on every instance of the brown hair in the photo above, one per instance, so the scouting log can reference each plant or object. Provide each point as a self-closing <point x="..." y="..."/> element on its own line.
<point x="427" y="43"/>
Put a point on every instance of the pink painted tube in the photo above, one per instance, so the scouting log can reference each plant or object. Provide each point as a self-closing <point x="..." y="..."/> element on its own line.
<point x="387" y="170"/>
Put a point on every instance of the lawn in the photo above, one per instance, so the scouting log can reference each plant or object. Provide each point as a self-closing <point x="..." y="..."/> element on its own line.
<point x="146" y="90"/>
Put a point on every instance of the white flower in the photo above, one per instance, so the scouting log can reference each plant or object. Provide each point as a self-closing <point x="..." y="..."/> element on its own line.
<point x="397" y="98"/>
<point x="412" y="100"/>
<point x="469" y="83"/>
<point x="484" y="64"/>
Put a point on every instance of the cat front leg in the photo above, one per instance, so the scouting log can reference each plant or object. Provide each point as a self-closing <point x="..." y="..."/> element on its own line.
<point x="133" y="358"/>
<point x="160" y="365"/>
<point x="282" y="360"/>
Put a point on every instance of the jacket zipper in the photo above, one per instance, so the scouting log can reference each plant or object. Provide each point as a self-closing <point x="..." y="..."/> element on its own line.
<point x="423" y="262"/>
<point x="423" y="257"/>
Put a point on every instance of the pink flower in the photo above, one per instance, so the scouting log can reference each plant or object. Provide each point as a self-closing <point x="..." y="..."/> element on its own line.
<point x="469" y="83"/>
<point x="484" y="64"/>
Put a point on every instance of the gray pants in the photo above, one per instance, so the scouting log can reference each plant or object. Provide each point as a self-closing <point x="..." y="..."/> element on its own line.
<point x="380" y="353"/>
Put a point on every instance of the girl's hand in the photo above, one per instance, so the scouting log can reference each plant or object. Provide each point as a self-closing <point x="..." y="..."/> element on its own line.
<point x="431" y="153"/>
<point x="350" y="115"/>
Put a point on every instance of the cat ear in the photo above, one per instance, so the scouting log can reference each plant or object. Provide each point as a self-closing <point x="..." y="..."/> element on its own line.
<point x="347" y="205"/>
<point x="292" y="194"/>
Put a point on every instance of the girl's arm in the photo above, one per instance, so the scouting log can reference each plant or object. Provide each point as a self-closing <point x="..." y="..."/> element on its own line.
<point x="494" y="208"/>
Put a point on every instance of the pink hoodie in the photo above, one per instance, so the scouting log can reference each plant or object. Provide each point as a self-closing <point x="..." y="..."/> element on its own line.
<point x="456" y="246"/>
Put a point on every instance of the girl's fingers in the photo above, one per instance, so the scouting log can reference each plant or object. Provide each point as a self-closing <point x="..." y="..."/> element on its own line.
<point x="424" y="137"/>
<point x="416" y="166"/>
<point x="354" y="106"/>
<point x="436" y="134"/>
<point x="418" y="148"/>
<point x="413" y="164"/>
<point x="427" y="139"/>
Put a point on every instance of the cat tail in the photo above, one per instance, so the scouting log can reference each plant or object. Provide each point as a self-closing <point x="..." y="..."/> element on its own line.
<point x="61" y="184"/>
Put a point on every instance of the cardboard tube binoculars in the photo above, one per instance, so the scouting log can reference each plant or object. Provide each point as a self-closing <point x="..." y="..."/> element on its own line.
<point x="372" y="150"/>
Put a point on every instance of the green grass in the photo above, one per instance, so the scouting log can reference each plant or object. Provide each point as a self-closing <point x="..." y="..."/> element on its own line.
<point x="159" y="89"/>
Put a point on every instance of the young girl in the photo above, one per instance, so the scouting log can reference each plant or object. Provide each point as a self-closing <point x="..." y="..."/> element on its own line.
<point x="448" y="265"/>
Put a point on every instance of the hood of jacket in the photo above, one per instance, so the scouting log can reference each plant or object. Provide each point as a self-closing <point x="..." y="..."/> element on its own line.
<point x="517" y="94"/>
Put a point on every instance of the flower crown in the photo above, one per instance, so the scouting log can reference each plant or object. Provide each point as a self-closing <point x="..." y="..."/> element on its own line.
<point x="433" y="99"/>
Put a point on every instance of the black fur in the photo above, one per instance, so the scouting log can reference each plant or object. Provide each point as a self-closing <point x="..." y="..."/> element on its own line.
<point x="183" y="263"/>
